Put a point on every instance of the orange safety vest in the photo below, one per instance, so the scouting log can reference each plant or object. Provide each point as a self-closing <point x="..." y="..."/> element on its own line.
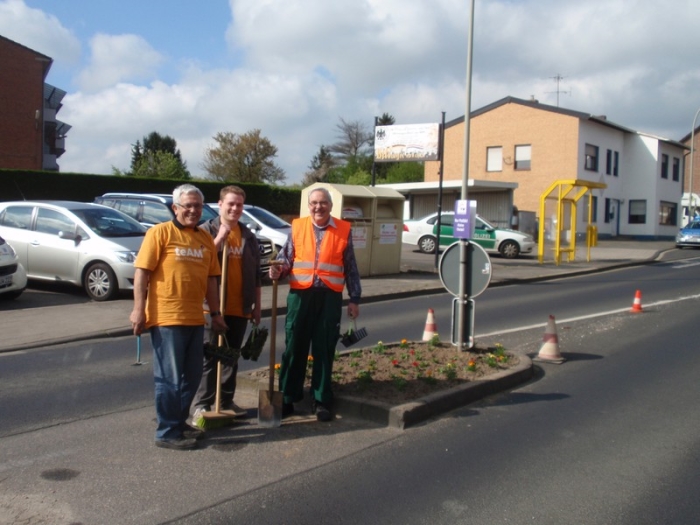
<point x="330" y="259"/>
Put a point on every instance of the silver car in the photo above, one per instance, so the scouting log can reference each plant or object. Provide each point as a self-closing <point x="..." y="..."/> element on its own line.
<point x="88" y="245"/>
<point x="13" y="278"/>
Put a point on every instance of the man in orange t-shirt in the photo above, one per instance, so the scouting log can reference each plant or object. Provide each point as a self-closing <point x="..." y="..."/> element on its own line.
<point x="176" y="268"/>
<point x="243" y="291"/>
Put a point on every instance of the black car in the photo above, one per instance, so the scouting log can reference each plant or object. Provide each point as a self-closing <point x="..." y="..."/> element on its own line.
<point x="154" y="208"/>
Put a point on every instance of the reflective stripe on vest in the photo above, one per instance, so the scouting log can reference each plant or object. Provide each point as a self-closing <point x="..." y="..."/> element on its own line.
<point x="330" y="259"/>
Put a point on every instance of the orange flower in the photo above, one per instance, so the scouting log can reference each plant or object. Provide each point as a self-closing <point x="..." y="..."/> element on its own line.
<point x="311" y="358"/>
<point x="277" y="366"/>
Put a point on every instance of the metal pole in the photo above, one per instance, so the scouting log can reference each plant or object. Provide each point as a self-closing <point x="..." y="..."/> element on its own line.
<point x="374" y="163"/>
<point x="439" y="201"/>
<point x="463" y="245"/>
<point x="691" y="206"/>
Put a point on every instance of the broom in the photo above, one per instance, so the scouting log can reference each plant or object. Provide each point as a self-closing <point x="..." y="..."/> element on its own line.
<point x="218" y="418"/>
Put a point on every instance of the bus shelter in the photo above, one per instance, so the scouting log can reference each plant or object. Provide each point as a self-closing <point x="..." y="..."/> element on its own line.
<point x="558" y="213"/>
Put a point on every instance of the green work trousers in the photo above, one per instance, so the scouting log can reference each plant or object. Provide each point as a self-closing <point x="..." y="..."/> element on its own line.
<point x="313" y="318"/>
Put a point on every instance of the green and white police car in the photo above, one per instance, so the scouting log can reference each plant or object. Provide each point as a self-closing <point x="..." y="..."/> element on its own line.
<point x="423" y="233"/>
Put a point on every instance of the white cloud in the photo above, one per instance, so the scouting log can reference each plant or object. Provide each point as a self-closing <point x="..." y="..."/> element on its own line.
<point x="301" y="65"/>
<point x="118" y="58"/>
<point x="39" y="31"/>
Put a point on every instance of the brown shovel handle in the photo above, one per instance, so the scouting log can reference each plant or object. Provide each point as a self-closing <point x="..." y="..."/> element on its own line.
<point x="273" y="337"/>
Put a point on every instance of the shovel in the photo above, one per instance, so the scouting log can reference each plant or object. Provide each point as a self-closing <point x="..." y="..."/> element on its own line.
<point x="218" y="413"/>
<point x="353" y="335"/>
<point x="270" y="401"/>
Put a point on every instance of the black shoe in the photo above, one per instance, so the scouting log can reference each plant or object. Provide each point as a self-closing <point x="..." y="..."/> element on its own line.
<point x="177" y="443"/>
<point x="287" y="409"/>
<point x="323" y="412"/>
<point x="193" y="433"/>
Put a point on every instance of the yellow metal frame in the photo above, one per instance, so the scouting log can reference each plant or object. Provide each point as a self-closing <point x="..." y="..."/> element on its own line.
<point x="569" y="192"/>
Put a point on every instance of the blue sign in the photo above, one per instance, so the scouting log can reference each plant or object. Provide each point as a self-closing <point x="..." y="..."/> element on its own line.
<point x="465" y="218"/>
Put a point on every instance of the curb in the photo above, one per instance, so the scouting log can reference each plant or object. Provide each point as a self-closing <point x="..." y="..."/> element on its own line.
<point x="422" y="409"/>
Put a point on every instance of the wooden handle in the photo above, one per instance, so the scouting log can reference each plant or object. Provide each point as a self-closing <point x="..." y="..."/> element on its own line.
<point x="273" y="337"/>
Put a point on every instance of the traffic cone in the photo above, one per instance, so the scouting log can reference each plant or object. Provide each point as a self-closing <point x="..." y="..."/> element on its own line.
<point x="549" y="352"/>
<point x="637" y="304"/>
<point x="430" y="326"/>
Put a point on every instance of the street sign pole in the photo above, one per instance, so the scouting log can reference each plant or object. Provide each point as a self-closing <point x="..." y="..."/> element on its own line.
<point x="464" y="250"/>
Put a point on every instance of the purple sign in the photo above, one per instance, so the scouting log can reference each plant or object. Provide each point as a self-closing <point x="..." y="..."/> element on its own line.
<point x="465" y="215"/>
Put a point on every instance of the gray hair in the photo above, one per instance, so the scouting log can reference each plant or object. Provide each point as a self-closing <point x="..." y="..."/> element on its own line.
<point x="186" y="189"/>
<point x="324" y="191"/>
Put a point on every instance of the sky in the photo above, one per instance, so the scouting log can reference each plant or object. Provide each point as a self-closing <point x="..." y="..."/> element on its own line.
<point x="293" y="68"/>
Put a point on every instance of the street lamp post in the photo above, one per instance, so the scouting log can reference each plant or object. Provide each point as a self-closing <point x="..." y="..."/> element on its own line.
<point x="691" y="203"/>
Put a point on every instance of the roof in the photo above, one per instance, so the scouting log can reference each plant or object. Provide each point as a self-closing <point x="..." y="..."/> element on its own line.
<point x="534" y="104"/>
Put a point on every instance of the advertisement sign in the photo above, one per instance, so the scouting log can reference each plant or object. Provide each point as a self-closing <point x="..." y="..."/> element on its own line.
<point x="415" y="142"/>
<point x="465" y="219"/>
<point x="388" y="233"/>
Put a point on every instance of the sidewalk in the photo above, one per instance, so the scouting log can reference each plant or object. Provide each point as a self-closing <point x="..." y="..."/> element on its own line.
<point x="25" y="328"/>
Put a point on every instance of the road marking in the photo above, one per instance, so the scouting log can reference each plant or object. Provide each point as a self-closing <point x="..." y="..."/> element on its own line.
<point x="589" y="316"/>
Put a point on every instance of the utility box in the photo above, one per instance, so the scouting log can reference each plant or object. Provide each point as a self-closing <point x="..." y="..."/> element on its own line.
<point x="385" y="258"/>
<point x="376" y="218"/>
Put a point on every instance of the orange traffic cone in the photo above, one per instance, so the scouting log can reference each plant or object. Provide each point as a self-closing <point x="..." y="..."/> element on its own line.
<point x="549" y="352"/>
<point x="637" y="304"/>
<point x="430" y="326"/>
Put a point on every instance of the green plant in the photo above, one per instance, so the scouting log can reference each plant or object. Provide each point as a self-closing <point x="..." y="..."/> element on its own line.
<point x="356" y="353"/>
<point x="435" y="340"/>
<point x="379" y="348"/>
<point x="403" y="344"/>
<point x="399" y="382"/>
<point x="449" y="371"/>
<point x="364" y="377"/>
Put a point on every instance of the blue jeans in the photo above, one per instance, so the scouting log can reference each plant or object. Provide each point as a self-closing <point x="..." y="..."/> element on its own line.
<point x="177" y="370"/>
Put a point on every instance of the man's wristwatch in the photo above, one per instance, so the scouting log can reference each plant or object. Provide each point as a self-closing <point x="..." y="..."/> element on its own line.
<point x="214" y="314"/>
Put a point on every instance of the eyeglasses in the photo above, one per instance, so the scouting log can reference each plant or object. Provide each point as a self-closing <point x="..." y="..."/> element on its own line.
<point x="190" y="206"/>
<point x="313" y="204"/>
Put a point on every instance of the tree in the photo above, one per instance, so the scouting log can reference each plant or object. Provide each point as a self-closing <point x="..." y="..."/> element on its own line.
<point x="160" y="165"/>
<point x="152" y="144"/>
<point x="353" y="137"/>
<point x="243" y="158"/>
<point x="319" y="168"/>
<point x="405" y="172"/>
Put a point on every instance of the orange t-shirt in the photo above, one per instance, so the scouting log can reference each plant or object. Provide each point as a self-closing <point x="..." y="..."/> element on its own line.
<point x="180" y="261"/>
<point x="234" y="283"/>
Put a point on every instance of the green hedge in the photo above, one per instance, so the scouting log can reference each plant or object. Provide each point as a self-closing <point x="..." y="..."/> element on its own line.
<point x="32" y="185"/>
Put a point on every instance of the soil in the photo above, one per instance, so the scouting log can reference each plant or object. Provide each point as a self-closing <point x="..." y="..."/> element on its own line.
<point x="397" y="373"/>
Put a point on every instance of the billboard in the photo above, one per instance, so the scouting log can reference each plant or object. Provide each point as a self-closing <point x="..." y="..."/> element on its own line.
<point x="414" y="142"/>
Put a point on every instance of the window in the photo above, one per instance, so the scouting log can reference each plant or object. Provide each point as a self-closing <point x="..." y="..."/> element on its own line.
<point x="522" y="157"/>
<point x="52" y="222"/>
<point x="608" y="162"/>
<point x="609" y="211"/>
<point x="668" y="212"/>
<point x="676" y="169"/>
<point x="584" y="209"/>
<point x="616" y="163"/>
<point x="494" y="158"/>
<point x="591" y="158"/>
<point x="638" y="212"/>
<point x="664" y="166"/>
<point x="17" y="217"/>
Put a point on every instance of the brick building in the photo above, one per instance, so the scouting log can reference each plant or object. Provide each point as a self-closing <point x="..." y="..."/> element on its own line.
<point x="534" y="145"/>
<point x="30" y="136"/>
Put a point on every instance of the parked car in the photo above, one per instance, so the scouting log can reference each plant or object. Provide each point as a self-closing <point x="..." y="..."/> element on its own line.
<point x="423" y="233"/>
<point x="689" y="235"/>
<point x="264" y="223"/>
<point x="84" y="244"/>
<point x="13" y="277"/>
<point x="154" y="208"/>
